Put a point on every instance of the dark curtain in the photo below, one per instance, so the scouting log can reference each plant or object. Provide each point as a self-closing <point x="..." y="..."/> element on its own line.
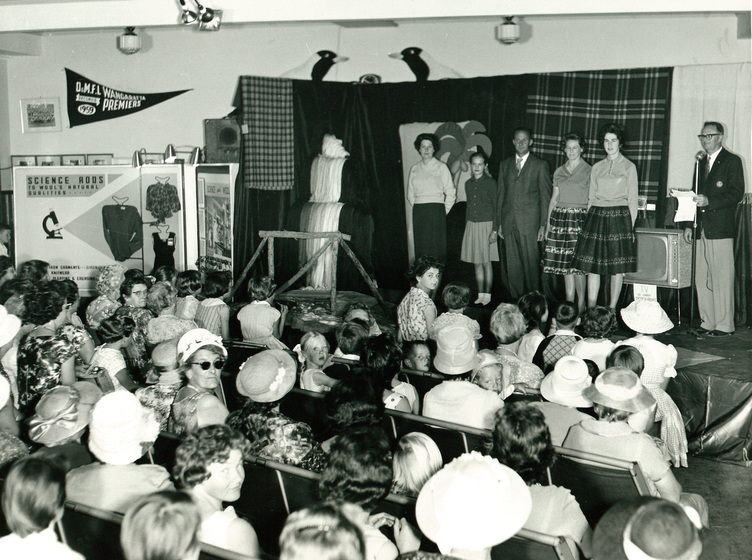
<point x="367" y="119"/>
<point x="743" y="262"/>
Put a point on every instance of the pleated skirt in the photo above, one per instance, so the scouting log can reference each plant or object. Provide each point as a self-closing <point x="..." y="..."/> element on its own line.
<point x="563" y="233"/>
<point x="607" y="244"/>
<point x="475" y="246"/>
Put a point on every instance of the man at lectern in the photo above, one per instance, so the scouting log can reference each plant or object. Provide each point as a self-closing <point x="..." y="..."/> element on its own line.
<point x="720" y="187"/>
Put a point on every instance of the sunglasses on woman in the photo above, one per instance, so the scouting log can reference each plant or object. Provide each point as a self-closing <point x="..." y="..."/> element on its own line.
<point x="218" y="364"/>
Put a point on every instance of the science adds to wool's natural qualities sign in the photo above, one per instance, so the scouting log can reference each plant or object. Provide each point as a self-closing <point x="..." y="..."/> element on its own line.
<point x="89" y="101"/>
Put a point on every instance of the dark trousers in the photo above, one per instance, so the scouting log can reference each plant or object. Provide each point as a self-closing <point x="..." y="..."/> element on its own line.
<point x="522" y="262"/>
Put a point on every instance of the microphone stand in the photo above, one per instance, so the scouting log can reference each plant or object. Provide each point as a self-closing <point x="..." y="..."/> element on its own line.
<point x="694" y="255"/>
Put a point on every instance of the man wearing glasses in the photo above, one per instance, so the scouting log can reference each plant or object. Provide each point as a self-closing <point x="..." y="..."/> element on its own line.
<point x="720" y="187"/>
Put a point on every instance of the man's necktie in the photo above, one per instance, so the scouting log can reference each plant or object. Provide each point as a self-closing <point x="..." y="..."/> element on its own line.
<point x="519" y="165"/>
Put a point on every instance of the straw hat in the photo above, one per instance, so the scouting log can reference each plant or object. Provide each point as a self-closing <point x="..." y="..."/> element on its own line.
<point x="194" y="340"/>
<point x="62" y="412"/>
<point x="9" y="325"/>
<point x="566" y="383"/>
<point x="646" y="317"/>
<point x="473" y="503"/>
<point x="620" y="389"/>
<point x="165" y="368"/>
<point x="119" y="427"/>
<point x="455" y="350"/>
<point x="267" y="376"/>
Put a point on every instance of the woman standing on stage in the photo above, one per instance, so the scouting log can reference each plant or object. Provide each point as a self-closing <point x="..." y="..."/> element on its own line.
<point x="607" y="243"/>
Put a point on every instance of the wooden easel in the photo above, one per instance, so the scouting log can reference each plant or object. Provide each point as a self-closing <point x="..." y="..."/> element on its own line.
<point x="335" y="240"/>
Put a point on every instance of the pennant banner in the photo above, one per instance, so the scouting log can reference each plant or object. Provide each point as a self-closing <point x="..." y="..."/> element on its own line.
<point x="89" y="101"/>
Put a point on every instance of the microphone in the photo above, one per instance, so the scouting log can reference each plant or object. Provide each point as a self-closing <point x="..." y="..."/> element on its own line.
<point x="701" y="154"/>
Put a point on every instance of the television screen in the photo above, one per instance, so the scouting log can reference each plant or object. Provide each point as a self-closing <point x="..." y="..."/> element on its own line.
<point x="663" y="258"/>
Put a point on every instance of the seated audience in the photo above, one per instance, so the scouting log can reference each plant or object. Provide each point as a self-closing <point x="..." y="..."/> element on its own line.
<point x="201" y="357"/>
<point x="73" y="328"/>
<point x="108" y="288"/>
<point x="617" y="393"/>
<point x="416" y="459"/>
<point x="33" y="499"/>
<point x="120" y="432"/>
<point x="165" y="273"/>
<point x="534" y="309"/>
<point x="209" y="465"/>
<point x="323" y="532"/>
<point x="563" y="390"/>
<point x="489" y="373"/>
<point x="10" y="326"/>
<point x="213" y="313"/>
<point x="161" y="300"/>
<point x="522" y="442"/>
<point x="161" y="526"/>
<point x="561" y="342"/>
<point x="470" y="506"/>
<point x="359" y="474"/>
<point x="260" y="321"/>
<point x="115" y="334"/>
<point x="167" y="381"/>
<point x="265" y="379"/>
<point x="458" y="400"/>
<point x="597" y="325"/>
<point x="381" y="358"/>
<point x="313" y="355"/>
<point x="629" y="357"/>
<point x="456" y="297"/>
<point x="45" y="358"/>
<point x="417" y="312"/>
<point x="355" y="401"/>
<point x="647" y="318"/>
<point x="11" y="448"/>
<point x="189" y="286"/>
<point x="60" y="421"/>
<point x="416" y="355"/>
<point x="508" y="326"/>
<point x="359" y="311"/>
<point x="7" y="270"/>
<point x="349" y="338"/>
<point x="34" y="271"/>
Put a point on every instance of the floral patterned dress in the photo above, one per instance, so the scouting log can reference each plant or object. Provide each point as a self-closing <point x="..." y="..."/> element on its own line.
<point x="136" y="351"/>
<point x="39" y="364"/>
<point x="99" y="310"/>
<point x="412" y="321"/>
<point x="279" y="438"/>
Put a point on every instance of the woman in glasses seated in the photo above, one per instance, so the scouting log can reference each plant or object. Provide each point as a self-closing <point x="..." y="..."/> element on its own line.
<point x="201" y="357"/>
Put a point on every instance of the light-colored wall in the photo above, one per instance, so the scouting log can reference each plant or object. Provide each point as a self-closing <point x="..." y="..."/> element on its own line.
<point x="210" y="63"/>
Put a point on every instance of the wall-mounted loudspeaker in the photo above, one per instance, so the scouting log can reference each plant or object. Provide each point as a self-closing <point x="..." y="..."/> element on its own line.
<point x="222" y="141"/>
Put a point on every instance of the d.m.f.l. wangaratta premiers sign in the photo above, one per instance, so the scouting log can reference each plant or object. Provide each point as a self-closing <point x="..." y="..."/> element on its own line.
<point x="89" y="101"/>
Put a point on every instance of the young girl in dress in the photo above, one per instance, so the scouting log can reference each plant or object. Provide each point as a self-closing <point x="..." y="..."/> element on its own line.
<point x="213" y="313"/>
<point x="597" y="325"/>
<point x="313" y="354"/>
<point x="479" y="245"/>
<point x="115" y="333"/>
<point x="647" y="318"/>
<point x="189" y="287"/>
<point x="534" y="308"/>
<point x="260" y="322"/>
<point x="417" y="311"/>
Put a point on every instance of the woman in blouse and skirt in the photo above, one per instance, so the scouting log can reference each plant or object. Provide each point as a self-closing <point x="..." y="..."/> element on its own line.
<point x="566" y="214"/>
<point x="431" y="193"/>
<point x="607" y="244"/>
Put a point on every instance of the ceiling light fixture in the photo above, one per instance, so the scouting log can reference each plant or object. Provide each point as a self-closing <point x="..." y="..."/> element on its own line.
<point x="508" y="32"/>
<point x="129" y="42"/>
<point x="208" y="19"/>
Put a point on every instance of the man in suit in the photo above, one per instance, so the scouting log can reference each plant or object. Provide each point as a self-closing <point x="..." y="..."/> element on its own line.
<point x="720" y="187"/>
<point x="524" y="195"/>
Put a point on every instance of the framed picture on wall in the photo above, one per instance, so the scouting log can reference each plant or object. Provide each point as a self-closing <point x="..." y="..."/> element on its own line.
<point x="49" y="160"/>
<point x="23" y="161"/>
<point x="98" y="159"/>
<point x="40" y="115"/>
<point x="76" y="159"/>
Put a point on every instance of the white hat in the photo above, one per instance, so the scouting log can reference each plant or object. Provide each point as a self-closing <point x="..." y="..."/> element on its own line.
<point x="9" y="325"/>
<point x="4" y="391"/>
<point x="646" y="317"/>
<point x="455" y="350"/>
<point x="620" y="389"/>
<point x="62" y="412"/>
<point x="473" y="503"/>
<point x="194" y="340"/>
<point x="119" y="427"/>
<point x="267" y="376"/>
<point x="566" y="383"/>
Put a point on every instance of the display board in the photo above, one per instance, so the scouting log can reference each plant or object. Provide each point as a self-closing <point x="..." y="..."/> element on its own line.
<point x="214" y="186"/>
<point x="80" y="219"/>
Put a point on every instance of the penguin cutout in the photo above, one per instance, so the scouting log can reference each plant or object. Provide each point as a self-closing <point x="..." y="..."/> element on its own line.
<point x="424" y="66"/>
<point x="316" y="67"/>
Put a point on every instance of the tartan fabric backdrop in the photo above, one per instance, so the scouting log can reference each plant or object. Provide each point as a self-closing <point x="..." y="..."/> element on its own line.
<point x="638" y="99"/>
<point x="269" y="145"/>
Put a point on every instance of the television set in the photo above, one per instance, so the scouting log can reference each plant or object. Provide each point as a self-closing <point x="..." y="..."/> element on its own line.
<point x="664" y="259"/>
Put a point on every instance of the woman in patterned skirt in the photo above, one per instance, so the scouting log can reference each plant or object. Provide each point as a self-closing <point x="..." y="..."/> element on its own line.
<point x="607" y="243"/>
<point x="566" y="213"/>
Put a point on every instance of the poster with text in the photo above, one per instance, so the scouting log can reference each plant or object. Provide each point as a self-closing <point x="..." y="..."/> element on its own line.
<point x="215" y="213"/>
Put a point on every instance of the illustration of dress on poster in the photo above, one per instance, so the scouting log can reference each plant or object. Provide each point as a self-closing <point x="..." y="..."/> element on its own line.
<point x="163" y="206"/>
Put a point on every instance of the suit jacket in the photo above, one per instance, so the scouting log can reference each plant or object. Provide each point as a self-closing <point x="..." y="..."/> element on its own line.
<point x="524" y="198"/>
<point x="724" y="187"/>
